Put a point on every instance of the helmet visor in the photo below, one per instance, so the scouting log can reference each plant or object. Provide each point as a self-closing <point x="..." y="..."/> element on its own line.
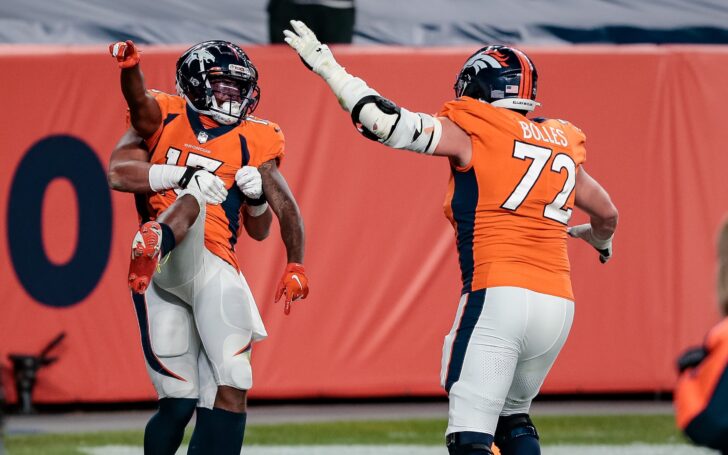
<point x="225" y="88"/>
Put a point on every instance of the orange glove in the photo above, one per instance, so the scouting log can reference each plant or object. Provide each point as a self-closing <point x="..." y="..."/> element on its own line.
<point x="125" y="53"/>
<point x="294" y="283"/>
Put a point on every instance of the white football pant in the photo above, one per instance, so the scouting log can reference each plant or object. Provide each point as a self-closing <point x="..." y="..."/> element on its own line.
<point x="495" y="358"/>
<point x="198" y="321"/>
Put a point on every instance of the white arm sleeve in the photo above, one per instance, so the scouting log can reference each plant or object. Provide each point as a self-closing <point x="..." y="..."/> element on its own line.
<point x="165" y="176"/>
<point x="347" y="88"/>
<point x="393" y="126"/>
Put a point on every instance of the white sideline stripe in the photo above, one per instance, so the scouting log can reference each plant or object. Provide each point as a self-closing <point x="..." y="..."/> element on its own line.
<point x="633" y="449"/>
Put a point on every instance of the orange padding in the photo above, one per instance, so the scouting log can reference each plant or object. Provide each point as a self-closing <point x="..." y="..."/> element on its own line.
<point x="380" y="254"/>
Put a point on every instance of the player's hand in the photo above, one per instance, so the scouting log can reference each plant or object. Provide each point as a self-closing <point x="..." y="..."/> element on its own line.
<point x="691" y="358"/>
<point x="603" y="246"/>
<point x="250" y="182"/>
<point x="125" y="53"/>
<point x="209" y="185"/>
<point x="294" y="284"/>
<point x="316" y="56"/>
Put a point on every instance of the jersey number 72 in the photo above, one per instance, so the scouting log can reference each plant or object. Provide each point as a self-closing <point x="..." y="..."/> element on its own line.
<point x="539" y="156"/>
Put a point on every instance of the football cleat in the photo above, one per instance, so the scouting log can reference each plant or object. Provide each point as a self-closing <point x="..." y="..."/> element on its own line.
<point x="145" y="251"/>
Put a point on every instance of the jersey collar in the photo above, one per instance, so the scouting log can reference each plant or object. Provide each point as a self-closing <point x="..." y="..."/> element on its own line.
<point x="210" y="134"/>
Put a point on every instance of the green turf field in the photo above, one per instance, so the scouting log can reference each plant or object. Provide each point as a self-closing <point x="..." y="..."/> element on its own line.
<point x="615" y="429"/>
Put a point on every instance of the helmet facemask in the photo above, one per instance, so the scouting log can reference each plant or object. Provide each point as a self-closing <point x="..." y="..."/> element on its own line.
<point x="228" y="98"/>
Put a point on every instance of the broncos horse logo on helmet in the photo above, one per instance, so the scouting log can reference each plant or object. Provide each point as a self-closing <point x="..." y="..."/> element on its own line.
<point x="500" y="75"/>
<point x="217" y="78"/>
<point x="202" y="55"/>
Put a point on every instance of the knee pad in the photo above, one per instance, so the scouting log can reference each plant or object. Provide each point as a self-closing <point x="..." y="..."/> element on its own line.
<point x="469" y="443"/>
<point x="237" y="371"/>
<point x="240" y="373"/>
<point x="513" y="427"/>
<point x="171" y="329"/>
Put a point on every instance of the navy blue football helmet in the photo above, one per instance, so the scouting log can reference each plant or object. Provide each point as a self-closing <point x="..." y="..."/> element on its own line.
<point x="500" y="75"/>
<point x="217" y="78"/>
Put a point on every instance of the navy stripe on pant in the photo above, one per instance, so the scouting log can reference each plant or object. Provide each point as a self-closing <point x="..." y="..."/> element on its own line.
<point x="140" y="305"/>
<point x="471" y="314"/>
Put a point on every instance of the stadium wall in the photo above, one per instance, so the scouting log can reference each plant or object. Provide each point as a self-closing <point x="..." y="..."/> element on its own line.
<point x="380" y="254"/>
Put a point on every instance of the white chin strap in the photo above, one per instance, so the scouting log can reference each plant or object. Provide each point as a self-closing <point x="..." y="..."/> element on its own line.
<point x="220" y="117"/>
<point x="520" y="104"/>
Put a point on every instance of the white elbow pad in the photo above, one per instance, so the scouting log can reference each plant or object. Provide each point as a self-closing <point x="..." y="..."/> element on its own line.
<point x="381" y="120"/>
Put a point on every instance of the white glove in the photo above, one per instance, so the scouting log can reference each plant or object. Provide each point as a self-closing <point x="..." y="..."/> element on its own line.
<point x="209" y="185"/>
<point x="316" y="56"/>
<point x="249" y="181"/>
<point x="603" y="246"/>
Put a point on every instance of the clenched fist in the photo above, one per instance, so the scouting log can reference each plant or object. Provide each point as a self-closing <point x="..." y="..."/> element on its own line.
<point x="125" y="53"/>
<point x="249" y="182"/>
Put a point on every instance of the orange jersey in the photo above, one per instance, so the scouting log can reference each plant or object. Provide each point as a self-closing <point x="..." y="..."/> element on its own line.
<point x="183" y="140"/>
<point x="511" y="203"/>
<point x="701" y="391"/>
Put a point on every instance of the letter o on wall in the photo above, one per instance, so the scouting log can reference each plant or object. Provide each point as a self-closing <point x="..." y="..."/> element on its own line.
<point x="50" y="158"/>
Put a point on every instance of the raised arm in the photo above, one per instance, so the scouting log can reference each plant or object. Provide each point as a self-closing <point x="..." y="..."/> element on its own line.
<point x="603" y="216"/>
<point x="146" y="117"/>
<point x="294" y="282"/>
<point x="378" y="118"/>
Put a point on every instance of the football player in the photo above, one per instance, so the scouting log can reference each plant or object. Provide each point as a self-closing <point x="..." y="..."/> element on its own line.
<point x="514" y="183"/>
<point x="701" y="393"/>
<point x="202" y="168"/>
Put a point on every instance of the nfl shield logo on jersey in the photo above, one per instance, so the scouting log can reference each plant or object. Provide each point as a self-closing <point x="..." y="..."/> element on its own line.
<point x="202" y="137"/>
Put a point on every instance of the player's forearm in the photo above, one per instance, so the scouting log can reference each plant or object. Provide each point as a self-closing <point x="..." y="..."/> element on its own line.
<point x="134" y="176"/>
<point x="130" y="177"/>
<point x="593" y="199"/>
<point x="289" y="217"/>
<point x="604" y="227"/>
<point x="144" y="112"/>
<point x="603" y="215"/>
<point x="132" y="87"/>
<point x="258" y="227"/>
<point x="292" y="233"/>
<point x="286" y="209"/>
